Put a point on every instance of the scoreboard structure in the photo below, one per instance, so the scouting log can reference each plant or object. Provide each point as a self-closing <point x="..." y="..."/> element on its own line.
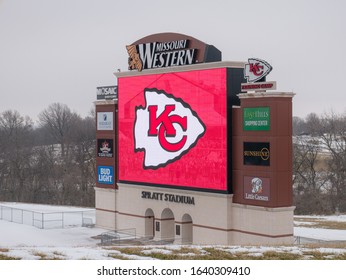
<point x="184" y="156"/>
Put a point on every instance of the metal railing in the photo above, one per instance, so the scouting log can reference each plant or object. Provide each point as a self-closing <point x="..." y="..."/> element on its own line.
<point x="47" y="220"/>
<point x="117" y="236"/>
<point x="307" y="240"/>
<point x="129" y="237"/>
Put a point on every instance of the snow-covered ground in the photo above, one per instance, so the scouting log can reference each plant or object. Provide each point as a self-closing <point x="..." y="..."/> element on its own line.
<point x="320" y="233"/>
<point x="27" y="242"/>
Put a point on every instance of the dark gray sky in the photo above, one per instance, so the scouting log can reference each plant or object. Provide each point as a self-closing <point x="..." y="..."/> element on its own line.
<point x="61" y="50"/>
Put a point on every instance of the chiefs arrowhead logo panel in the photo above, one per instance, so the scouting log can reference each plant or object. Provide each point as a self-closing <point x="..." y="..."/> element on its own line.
<point x="256" y="69"/>
<point x="165" y="129"/>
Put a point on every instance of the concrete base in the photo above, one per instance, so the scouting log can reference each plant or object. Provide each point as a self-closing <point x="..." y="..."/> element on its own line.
<point x="191" y="217"/>
<point x="105" y="208"/>
<point x="255" y="225"/>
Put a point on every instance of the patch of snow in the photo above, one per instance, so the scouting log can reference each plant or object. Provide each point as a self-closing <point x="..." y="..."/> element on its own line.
<point x="30" y="243"/>
<point x="157" y="251"/>
<point x="13" y="234"/>
<point x="332" y="250"/>
<point x="256" y="254"/>
<point x="187" y="254"/>
<point x="44" y="208"/>
<point x="304" y="223"/>
<point x="321" y="233"/>
<point x="335" y="218"/>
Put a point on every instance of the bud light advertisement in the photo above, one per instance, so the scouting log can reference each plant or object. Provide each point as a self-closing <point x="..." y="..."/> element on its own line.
<point x="105" y="175"/>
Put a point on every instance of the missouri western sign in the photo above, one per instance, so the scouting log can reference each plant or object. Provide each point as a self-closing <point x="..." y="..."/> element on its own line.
<point x="167" y="50"/>
<point x="160" y="54"/>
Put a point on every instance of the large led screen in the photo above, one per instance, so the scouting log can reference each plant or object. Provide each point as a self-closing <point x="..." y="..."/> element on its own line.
<point x="172" y="129"/>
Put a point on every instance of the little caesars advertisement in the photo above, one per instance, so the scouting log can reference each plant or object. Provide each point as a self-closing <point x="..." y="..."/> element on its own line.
<point x="257" y="188"/>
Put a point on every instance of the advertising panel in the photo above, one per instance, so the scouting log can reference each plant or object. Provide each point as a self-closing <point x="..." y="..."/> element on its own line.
<point x="105" y="121"/>
<point x="173" y="129"/>
<point x="107" y="93"/>
<point x="105" y="148"/>
<point x="169" y="49"/>
<point x="257" y="153"/>
<point x="256" y="188"/>
<point x="256" y="119"/>
<point x="105" y="175"/>
<point x="256" y="69"/>
<point x="160" y="54"/>
<point x="258" y="86"/>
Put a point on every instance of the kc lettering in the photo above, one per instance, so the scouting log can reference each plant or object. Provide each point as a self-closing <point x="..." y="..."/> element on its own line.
<point x="166" y="129"/>
<point x="256" y="69"/>
<point x="165" y="122"/>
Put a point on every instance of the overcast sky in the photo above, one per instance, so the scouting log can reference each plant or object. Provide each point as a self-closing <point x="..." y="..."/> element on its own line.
<point x="61" y="50"/>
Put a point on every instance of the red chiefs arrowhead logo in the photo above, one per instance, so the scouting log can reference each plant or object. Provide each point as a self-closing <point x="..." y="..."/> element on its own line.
<point x="256" y="69"/>
<point x="166" y="129"/>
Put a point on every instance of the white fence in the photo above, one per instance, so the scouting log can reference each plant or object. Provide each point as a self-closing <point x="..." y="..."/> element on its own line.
<point x="47" y="220"/>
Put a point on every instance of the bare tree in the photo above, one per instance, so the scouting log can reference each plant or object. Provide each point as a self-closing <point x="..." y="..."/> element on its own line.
<point x="81" y="176"/>
<point x="298" y="126"/>
<point x="59" y="121"/>
<point x="84" y="156"/>
<point x="320" y="164"/>
<point x="313" y="125"/>
<point x="309" y="176"/>
<point x="334" y="140"/>
<point x="15" y="151"/>
<point x="54" y="163"/>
